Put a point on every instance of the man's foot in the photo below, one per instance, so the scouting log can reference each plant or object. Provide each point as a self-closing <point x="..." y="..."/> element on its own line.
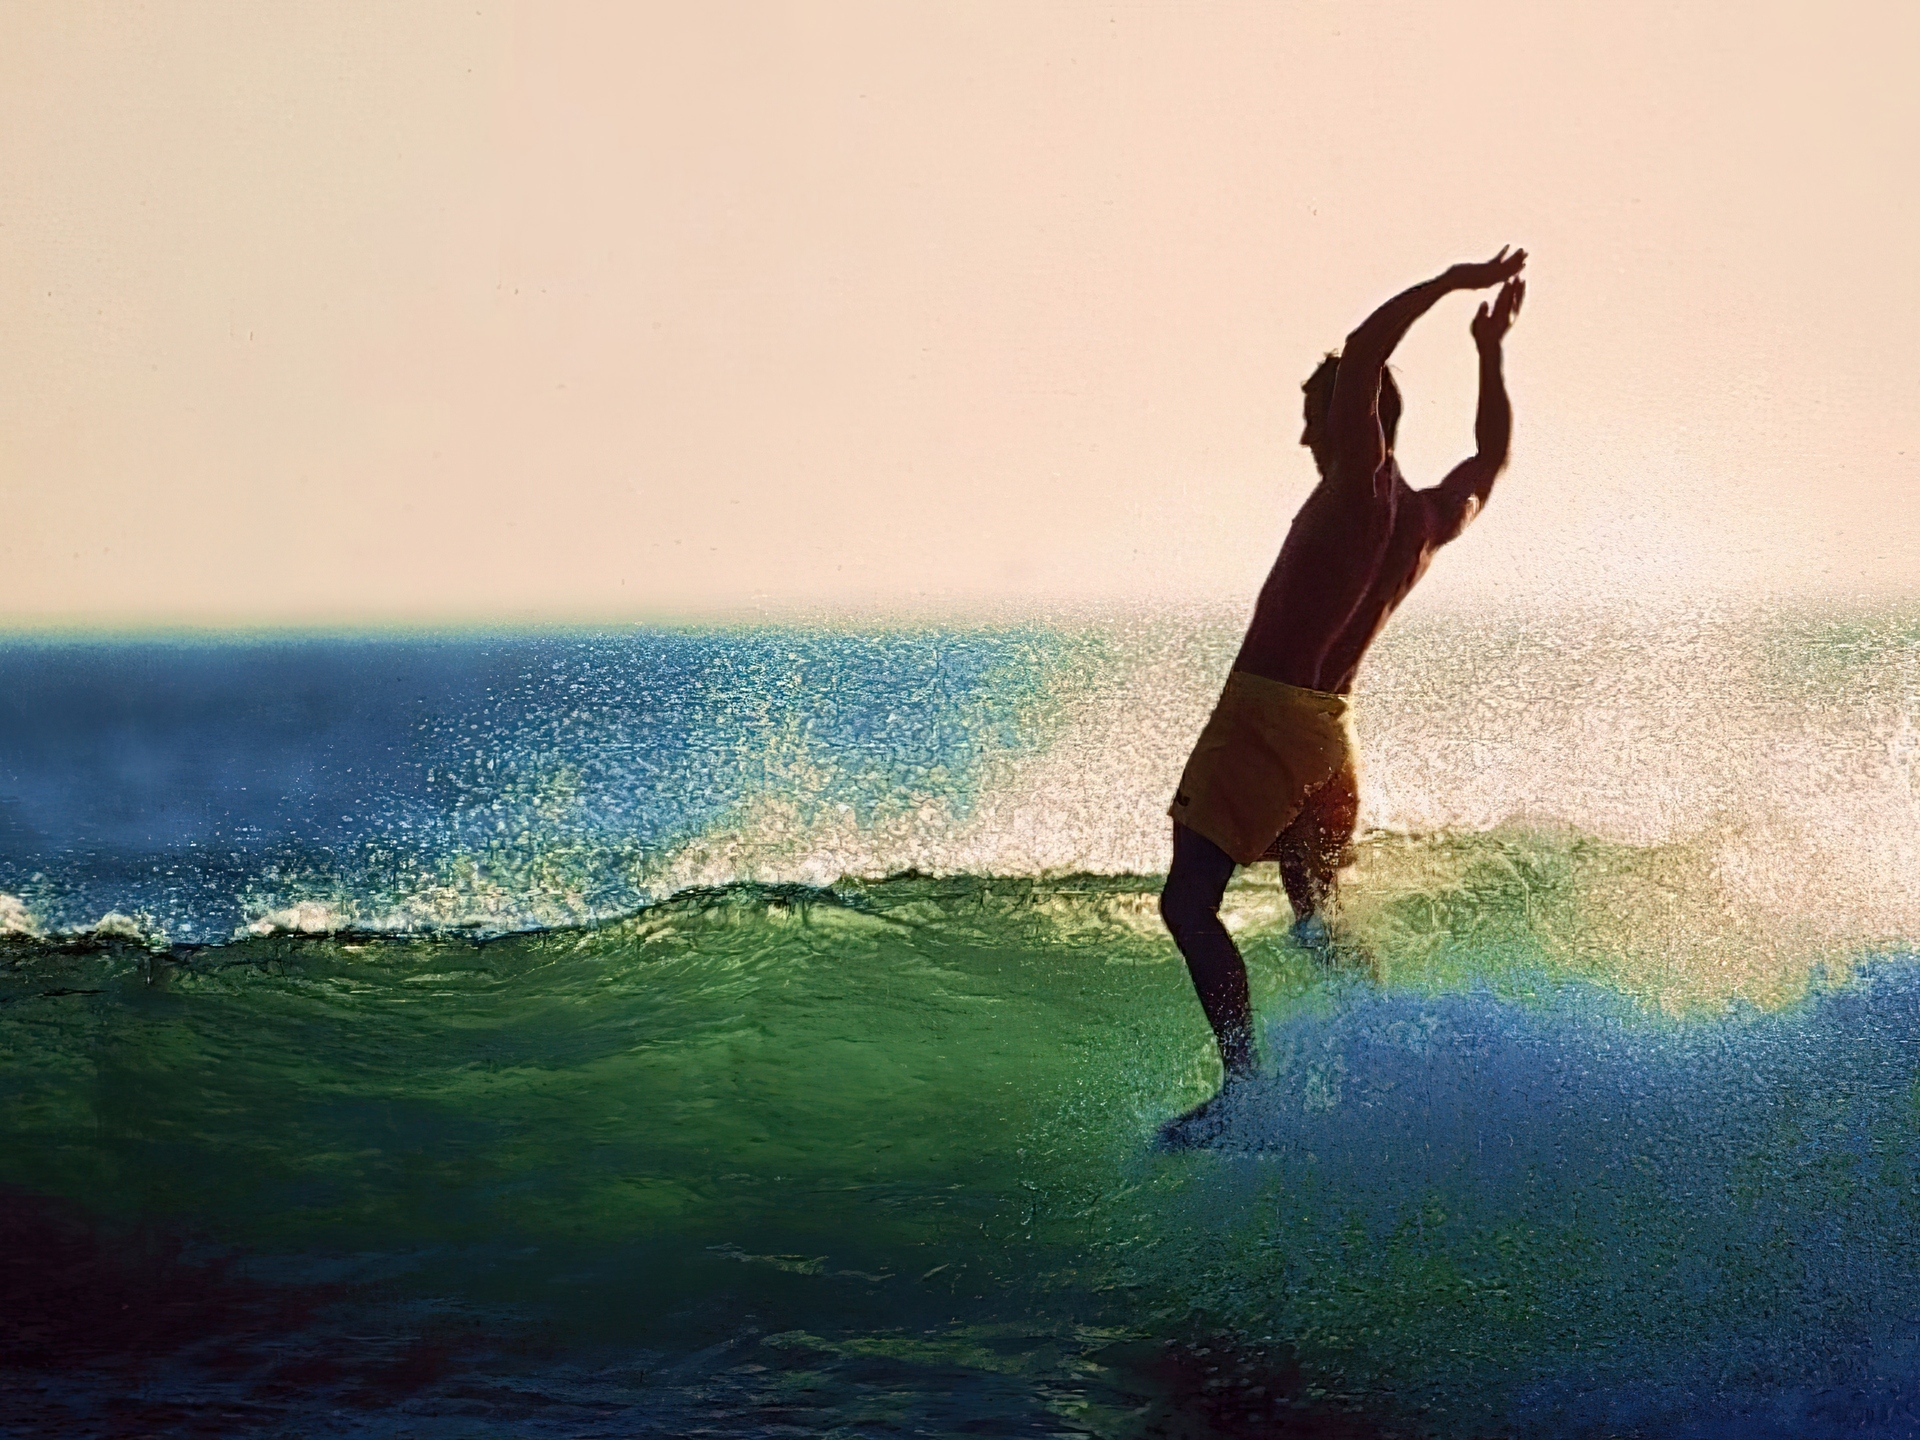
<point x="1311" y="933"/>
<point x="1203" y="1124"/>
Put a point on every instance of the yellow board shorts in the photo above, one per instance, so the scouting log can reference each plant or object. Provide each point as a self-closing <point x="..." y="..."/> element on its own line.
<point x="1267" y="748"/>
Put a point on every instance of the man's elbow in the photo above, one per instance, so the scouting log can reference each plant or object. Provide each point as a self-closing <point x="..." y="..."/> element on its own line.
<point x="1364" y="344"/>
<point x="1455" y="517"/>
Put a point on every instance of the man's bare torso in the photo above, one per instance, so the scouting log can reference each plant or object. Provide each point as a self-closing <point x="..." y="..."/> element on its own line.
<point x="1347" y="563"/>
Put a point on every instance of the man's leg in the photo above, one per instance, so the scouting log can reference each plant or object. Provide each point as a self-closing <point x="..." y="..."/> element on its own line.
<point x="1190" y="904"/>
<point x="1313" y="848"/>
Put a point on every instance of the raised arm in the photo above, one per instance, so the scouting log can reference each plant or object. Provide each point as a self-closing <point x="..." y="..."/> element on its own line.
<point x="1459" y="497"/>
<point x="1353" y="418"/>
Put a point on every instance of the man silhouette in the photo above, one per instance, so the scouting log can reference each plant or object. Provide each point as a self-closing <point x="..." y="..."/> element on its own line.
<point x="1273" y="773"/>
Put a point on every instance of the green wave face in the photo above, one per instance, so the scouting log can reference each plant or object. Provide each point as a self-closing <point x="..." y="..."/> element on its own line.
<point x="881" y="1155"/>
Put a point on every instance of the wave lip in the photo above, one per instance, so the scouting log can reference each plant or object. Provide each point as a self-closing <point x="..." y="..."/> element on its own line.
<point x="19" y="926"/>
<point x="303" y="917"/>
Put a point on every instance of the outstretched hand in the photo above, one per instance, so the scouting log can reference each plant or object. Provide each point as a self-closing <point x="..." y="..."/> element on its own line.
<point x="1491" y="324"/>
<point x="1487" y="273"/>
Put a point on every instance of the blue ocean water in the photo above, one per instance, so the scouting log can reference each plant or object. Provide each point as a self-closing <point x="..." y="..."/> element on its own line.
<point x="189" y="783"/>
<point x="763" y="1032"/>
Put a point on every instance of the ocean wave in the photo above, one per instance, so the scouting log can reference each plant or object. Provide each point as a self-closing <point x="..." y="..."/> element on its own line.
<point x="526" y="785"/>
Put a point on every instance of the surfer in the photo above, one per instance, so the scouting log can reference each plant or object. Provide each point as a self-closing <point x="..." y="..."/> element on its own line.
<point x="1272" y="776"/>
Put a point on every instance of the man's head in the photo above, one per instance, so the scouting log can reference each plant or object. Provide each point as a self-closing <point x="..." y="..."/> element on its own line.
<point x="1319" y="393"/>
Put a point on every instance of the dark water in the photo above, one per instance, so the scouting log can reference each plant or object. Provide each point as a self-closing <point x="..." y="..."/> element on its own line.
<point x="764" y="1033"/>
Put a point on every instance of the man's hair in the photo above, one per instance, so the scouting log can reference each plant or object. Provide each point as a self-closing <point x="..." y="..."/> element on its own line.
<point x="1319" y="390"/>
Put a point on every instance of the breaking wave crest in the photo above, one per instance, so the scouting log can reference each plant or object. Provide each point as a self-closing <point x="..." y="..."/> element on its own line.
<point x="1730" y="795"/>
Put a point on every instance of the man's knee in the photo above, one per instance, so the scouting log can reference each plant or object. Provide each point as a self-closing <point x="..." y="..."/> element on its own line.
<point x="1183" y="904"/>
<point x="1194" y="886"/>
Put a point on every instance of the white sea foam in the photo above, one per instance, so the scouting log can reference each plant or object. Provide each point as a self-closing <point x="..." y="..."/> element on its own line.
<point x="303" y="917"/>
<point x="16" y="919"/>
<point x="115" y="926"/>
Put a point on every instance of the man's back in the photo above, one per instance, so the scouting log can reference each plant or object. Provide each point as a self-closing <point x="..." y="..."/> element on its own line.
<point x="1364" y="538"/>
<point x="1349" y="559"/>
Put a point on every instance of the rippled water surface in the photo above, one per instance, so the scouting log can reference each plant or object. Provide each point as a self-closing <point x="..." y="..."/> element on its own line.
<point x="764" y="1033"/>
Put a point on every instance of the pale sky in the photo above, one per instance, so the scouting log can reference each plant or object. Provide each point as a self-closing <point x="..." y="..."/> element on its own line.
<point x="381" y="312"/>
